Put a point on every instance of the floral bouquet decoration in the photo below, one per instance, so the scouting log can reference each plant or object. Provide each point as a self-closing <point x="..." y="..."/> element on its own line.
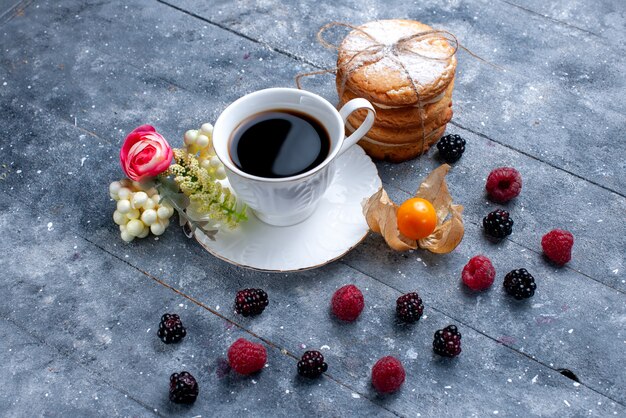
<point x="161" y="180"/>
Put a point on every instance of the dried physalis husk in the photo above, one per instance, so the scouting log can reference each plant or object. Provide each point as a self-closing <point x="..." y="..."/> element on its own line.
<point x="380" y="213"/>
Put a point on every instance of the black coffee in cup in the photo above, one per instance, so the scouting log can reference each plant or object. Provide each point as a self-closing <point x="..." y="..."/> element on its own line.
<point x="279" y="143"/>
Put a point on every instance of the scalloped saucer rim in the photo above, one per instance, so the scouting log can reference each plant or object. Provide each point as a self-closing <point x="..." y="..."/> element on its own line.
<point x="336" y="227"/>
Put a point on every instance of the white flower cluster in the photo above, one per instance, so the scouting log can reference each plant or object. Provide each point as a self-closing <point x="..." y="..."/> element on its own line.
<point x="199" y="142"/>
<point x="138" y="210"/>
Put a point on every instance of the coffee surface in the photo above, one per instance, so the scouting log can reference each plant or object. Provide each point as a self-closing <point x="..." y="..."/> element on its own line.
<point x="279" y="143"/>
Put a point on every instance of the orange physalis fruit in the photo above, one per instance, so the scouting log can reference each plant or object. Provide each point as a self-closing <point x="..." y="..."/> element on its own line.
<point x="417" y="218"/>
<point x="381" y="215"/>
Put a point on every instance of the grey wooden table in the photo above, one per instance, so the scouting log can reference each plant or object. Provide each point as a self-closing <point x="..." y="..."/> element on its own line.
<point x="80" y="308"/>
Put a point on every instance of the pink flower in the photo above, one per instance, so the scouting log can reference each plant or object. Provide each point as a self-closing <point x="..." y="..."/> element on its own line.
<point x="145" y="154"/>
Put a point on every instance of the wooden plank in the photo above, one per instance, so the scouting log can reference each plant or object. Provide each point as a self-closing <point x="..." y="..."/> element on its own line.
<point x="10" y="9"/>
<point x="76" y="70"/>
<point x="89" y="315"/>
<point x="553" y="101"/>
<point x="405" y="178"/>
<point x="298" y="317"/>
<point x="604" y="18"/>
<point x="550" y="199"/>
<point x="568" y="318"/>
<point x="100" y="73"/>
<point x="43" y="383"/>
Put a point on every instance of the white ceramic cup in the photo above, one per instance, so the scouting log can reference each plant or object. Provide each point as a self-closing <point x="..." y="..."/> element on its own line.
<point x="288" y="200"/>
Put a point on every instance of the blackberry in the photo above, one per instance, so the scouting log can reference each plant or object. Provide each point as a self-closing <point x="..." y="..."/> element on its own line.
<point x="183" y="388"/>
<point x="171" y="329"/>
<point x="409" y="307"/>
<point x="498" y="224"/>
<point x="250" y="301"/>
<point x="312" y="364"/>
<point x="520" y="284"/>
<point x="447" y="342"/>
<point x="451" y="147"/>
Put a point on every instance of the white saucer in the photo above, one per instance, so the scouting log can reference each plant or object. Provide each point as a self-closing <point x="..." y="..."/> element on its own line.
<point x="336" y="226"/>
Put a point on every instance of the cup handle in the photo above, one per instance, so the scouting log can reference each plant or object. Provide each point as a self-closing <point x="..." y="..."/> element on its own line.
<point x="346" y="110"/>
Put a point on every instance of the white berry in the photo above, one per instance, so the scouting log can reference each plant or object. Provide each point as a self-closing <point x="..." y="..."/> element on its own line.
<point x="157" y="228"/>
<point x="126" y="236"/>
<point x="170" y="210"/>
<point x="133" y="214"/>
<point x="202" y="141"/>
<point x="123" y="206"/>
<point x="124" y="193"/>
<point x="149" y="216"/>
<point x="119" y="218"/>
<point x="207" y="129"/>
<point x="190" y="136"/>
<point x="220" y="173"/>
<point x="149" y="204"/>
<point x="215" y="162"/>
<point x="134" y="227"/>
<point x="115" y="187"/>
<point x="206" y="164"/>
<point x="139" y="199"/>
<point x="163" y="212"/>
<point x="144" y="233"/>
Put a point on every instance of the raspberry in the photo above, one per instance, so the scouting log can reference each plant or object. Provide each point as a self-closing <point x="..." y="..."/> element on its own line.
<point x="447" y="342"/>
<point x="498" y="224"/>
<point x="347" y="303"/>
<point x="478" y="273"/>
<point x="503" y="184"/>
<point x="451" y="147"/>
<point x="557" y="246"/>
<point x="519" y="284"/>
<point x="250" y="301"/>
<point x="183" y="388"/>
<point x="246" y="357"/>
<point x="171" y="329"/>
<point x="388" y="374"/>
<point x="409" y="307"/>
<point x="312" y="364"/>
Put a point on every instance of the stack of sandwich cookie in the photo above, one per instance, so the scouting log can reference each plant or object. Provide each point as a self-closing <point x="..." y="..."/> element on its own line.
<point x="409" y="83"/>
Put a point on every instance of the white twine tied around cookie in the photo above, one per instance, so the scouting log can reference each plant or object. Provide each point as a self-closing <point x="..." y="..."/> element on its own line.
<point x="378" y="51"/>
